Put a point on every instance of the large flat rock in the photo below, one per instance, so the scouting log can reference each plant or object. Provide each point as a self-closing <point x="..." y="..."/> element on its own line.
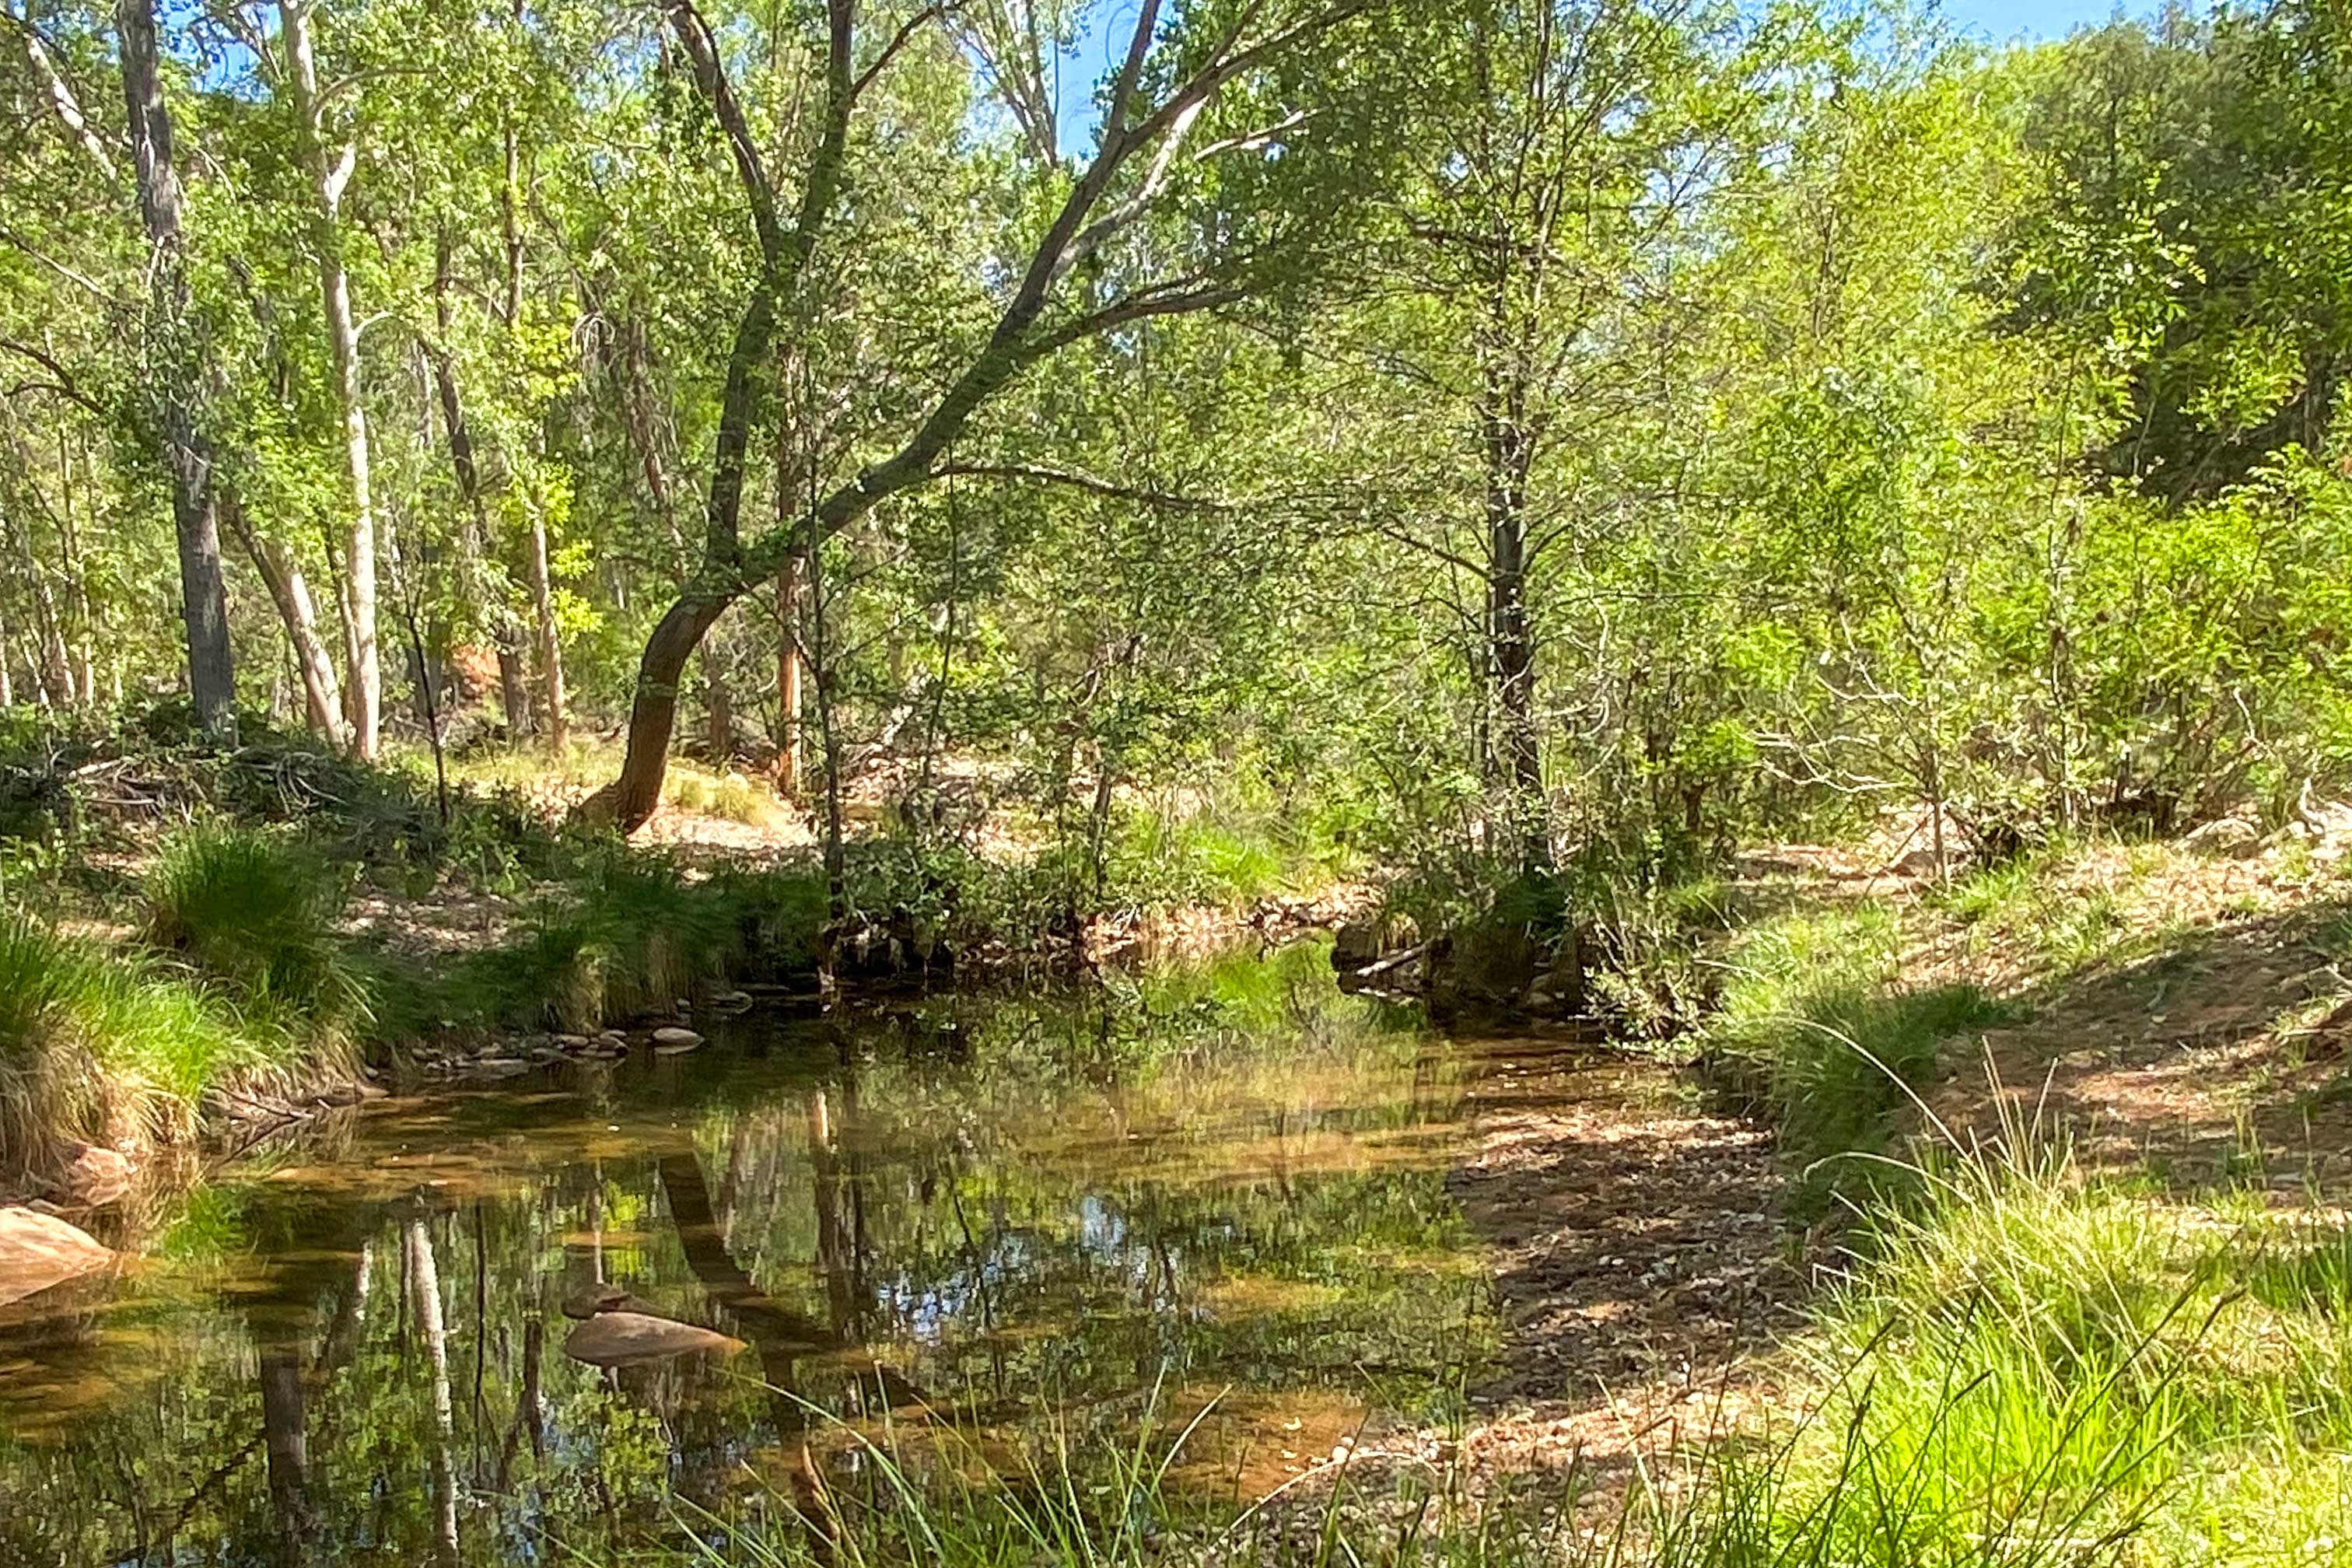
<point x="638" y="1338"/>
<point x="38" y="1250"/>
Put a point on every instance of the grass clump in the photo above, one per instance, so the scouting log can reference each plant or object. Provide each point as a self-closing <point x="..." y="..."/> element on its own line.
<point x="254" y="911"/>
<point x="1816" y="1030"/>
<point x="730" y="796"/>
<point x="98" y="1047"/>
<point x="2039" y="907"/>
<point x="2041" y="1368"/>
<point x="627" y="931"/>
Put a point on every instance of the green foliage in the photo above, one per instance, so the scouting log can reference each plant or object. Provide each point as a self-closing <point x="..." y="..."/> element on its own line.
<point x="626" y="932"/>
<point x="2077" y="1358"/>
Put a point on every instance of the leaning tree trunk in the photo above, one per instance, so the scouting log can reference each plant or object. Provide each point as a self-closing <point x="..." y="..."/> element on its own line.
<point x="365" y="695"/>
<point x="322" y="701"/>
<point x="172" y="378"/>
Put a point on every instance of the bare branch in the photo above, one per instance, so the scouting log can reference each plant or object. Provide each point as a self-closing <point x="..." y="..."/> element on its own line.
<point x="61" y="95"/>
<point x="701" y="46"/>
<point x="65" y="383"/>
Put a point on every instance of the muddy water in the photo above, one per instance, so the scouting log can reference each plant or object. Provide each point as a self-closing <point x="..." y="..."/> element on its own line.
<point x="969" y="1231"/>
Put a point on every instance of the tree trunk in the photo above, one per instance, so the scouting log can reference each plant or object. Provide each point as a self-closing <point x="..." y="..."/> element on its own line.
<point x="474" y="543"/>
<point x="7" y="680"/>
<point x="1510" y="638"/>
<point x="321" y="701"/>
<point x="790" y="744"/>
<point x="718" y="706"/>
<point x="172" y="377"/>
<point x="77" y="580"/>
<point x="424" y="1285"/>
<point x="365" y="693"/>
<point x="286" y="1443"/>
<point x="56" y="659"/>
<point x="550" y="646"/>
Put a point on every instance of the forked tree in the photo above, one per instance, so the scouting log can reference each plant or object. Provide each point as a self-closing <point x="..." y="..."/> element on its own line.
<point x="1147" y="137"/>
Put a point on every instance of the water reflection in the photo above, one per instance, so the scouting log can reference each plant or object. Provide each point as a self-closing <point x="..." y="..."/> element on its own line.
<point x="986" y="1222"/>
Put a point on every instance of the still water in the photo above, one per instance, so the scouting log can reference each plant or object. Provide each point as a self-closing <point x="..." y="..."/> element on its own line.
<point x="970" y="1232"/>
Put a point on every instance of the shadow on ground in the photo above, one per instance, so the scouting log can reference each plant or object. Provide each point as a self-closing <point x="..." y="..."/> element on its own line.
<point x="2217" y="1057"/>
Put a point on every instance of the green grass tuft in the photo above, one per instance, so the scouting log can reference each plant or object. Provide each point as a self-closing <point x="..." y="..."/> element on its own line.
<point x="629" y="931"/>
<point x="254" y="912"/>
<point x="100" y="1046"/>
<point x="1816" y="1031"/>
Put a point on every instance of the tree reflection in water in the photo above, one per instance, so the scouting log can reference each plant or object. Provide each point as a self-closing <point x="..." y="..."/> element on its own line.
<point x="977" y="1218"/>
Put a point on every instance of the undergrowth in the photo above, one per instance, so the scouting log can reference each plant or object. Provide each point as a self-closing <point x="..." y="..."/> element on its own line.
<point x="255" y="913"/>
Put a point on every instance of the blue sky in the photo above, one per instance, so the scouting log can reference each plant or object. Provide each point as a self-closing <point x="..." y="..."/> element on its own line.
<point x="2004" y="19"/>
<point x="1997" y="21"/>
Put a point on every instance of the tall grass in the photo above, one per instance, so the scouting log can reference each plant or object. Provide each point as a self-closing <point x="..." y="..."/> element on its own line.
<point x="1816" y="1030"/>
<point x="100" y="1046"/>
<point x="255" y="913"/>
<point x="628" y="932"/>
<point x="2055" y="1363"/>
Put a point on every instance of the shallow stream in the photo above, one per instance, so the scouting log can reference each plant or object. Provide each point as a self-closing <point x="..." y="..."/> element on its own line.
<point x="971" y="1233"/>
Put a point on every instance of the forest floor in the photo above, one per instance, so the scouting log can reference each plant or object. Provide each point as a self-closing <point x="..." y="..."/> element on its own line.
<point x="2178" y="1018"/>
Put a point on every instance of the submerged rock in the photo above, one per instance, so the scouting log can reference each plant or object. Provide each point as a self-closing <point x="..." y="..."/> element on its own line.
<point x="38" y="1250"/>
<point x="669" y="1042"/>
<point x="638" y="1339"/>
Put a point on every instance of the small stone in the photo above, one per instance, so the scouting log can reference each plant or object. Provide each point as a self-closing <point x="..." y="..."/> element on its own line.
<point x="673" y="1041"/>
<point x="638" y="1339"/>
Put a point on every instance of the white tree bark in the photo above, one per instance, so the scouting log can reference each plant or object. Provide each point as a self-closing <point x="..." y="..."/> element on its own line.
<point x="363" y="693"/>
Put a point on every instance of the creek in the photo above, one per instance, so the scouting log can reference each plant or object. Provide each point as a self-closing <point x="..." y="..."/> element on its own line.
<point x="973" y="1236"/>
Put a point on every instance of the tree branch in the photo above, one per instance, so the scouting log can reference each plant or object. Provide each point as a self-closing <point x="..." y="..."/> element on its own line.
<point x="898" y="41"/>
<point x="65" y="385"/>
<point x="1107" y="489"/>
